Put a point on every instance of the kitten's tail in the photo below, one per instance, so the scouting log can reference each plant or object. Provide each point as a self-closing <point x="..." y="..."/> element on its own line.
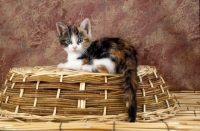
<point x="131" y="84"/>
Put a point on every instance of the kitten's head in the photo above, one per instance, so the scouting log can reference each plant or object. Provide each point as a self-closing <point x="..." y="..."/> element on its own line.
<point x="75" y="38"/>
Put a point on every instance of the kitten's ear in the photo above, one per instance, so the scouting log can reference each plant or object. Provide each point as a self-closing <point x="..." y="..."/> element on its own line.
<point x="61" y="28"/>
<point x="85" y="25"/>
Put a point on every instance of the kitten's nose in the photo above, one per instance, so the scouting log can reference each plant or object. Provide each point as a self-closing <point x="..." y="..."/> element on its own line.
<point x="74" y="47"/>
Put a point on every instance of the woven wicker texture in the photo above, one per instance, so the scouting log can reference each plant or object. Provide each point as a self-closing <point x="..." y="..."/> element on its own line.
<point x="187" y="119"/>
<point x="48" y="94"/>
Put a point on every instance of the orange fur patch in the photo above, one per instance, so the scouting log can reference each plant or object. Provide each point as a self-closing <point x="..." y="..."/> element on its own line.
<point x="102" y="69"/>
<point x="86" y="38"/>
<point x="85" y="61"/>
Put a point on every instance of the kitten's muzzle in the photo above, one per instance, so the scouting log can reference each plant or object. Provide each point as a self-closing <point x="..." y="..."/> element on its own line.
<point x="74" y="47"/>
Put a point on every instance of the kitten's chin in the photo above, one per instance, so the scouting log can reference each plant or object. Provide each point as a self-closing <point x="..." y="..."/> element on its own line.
<point x="71" y="51"/>
<point x="74" y="51"/>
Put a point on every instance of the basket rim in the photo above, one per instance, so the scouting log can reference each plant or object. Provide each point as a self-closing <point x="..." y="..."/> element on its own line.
<point x="53" y="70"/>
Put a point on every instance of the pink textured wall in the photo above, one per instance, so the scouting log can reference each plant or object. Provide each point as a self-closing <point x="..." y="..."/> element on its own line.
<point x="164" y="32"/>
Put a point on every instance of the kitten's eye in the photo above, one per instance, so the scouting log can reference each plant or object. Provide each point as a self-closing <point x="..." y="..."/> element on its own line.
<point x="68" y="41"/>
<point x="80" y="40"/>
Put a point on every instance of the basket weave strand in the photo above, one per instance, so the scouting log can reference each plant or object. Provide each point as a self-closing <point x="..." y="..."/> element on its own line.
<point x="46" y="93"/>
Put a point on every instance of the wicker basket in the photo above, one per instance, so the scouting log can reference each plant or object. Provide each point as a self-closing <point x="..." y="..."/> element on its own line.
<point x="48" y="94"/>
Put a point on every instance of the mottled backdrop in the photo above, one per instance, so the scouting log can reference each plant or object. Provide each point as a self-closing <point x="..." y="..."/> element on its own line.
<point x="164" y="32"/>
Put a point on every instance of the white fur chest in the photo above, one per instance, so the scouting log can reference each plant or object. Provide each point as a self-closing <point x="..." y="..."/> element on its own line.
<point x="72" y="56"/>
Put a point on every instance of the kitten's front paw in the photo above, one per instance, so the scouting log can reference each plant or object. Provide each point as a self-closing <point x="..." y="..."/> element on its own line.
<point x="87" y="68"/>
<point x="61" y="65"/>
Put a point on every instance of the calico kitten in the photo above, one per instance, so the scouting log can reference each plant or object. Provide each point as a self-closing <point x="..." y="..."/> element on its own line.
<point x="75" y="40"/>
<point x="111" y="55"/>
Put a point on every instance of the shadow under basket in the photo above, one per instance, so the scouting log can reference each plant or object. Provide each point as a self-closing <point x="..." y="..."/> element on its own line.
<point x="45" y="93"/>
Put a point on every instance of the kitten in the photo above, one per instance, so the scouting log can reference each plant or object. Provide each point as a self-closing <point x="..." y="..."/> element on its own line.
<point x="110" y="55"/>
<point x="75" y="40"/>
